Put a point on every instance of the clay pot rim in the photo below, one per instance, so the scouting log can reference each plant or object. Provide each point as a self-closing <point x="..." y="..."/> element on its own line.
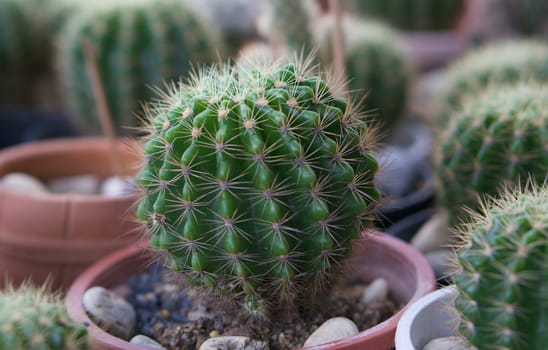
<point x="425" y="283"/>
<point x="73" y="144"/>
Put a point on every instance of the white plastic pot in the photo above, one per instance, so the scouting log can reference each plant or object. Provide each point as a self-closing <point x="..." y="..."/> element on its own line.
<point x="428" y="318"/>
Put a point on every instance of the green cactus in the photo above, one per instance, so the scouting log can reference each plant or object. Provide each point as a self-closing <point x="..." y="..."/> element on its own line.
<point x="496" y="64"/>
<point x="137" y="44"/>
<point x="503" y="273"/>
<point x="499" y="137"/>
<point x="411" y="14"/>
<point x="32" y="318"/>
<point x="529" y="16"/>
<point x="23" y="49"/>
<point x="289" y="24"/>
<point x="376" y="64"/>
<point x="256" y="181"/>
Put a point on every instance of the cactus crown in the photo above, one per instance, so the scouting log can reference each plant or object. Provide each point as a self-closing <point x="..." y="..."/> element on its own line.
<point x="31" y="318"/>
<point x="499" y="137"/>
<point x="137" y="44"/>
<point x="500" y="63"/>
<point x="256" y="181"/>
<point x="503" y="275"/>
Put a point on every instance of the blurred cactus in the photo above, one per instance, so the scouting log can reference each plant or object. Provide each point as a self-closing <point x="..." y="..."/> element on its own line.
<point x="378" y="69"/>
<point x="497" y="64"/>
<point x="503" y="274"/>
<point x="256" y="181"/>
<point x="32" y="318"/>
<point x="497" y="138"/>
<point x="411" y="14"/>
<point x="137" y="44"/>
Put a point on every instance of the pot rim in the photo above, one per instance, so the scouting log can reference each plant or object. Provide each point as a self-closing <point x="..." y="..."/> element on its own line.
<point x="403" y="331"/>
<point x="425" y="282"/>
<point x="68" y="145"/>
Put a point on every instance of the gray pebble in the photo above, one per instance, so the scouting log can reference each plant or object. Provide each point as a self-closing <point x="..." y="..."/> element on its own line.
<point x="332" y="329"/>
<point x="110" y="312"/>
<point x="448" y="343"/>
<point x="80" y="184"/>
<point x="147" y="342"/>
<point x="376" y="292"/>
<point x="233" y="343"/>
<point x="116" y="186"/>
<point x="23" y="183"/>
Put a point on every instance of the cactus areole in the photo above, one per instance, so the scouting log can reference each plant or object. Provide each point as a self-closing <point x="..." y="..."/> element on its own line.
<point x="256" y="181"/>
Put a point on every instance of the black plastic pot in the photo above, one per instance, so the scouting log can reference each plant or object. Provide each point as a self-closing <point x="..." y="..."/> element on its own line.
<point x="21" y="125"/>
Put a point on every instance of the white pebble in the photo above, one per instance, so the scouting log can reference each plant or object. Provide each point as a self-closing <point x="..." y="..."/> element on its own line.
<point x="116" y="186"/>
<point x="448" y="343"/>
<point x="23" y="183"/>
<point x="110" y="312"/>
<point x="332" y="329"/>
<point x="434" y="234"/>
<point x="147" y="342"/>
<point x="80" y="184"/>
<point x="233" y="343"/>
<point x="376" y="292"/>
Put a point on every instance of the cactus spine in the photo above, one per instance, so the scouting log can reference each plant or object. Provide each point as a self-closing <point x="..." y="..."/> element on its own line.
<point x="503" y="275"/>
<point x="412" y="14"/>
<point x="497" y="64"/>
<point x="32" y="318"/>
<point x="256" y="181"/>
<point x="499" y="137"/>
<point x="138" y="44"/>
<point x="376" y="65"/>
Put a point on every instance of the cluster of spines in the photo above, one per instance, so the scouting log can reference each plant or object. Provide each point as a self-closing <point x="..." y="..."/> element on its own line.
<point x="412" y="14"/>
<point x="256" y="181"/>
<point x="378" y="69"/>
<point x="500" y="64"/>
<point x="497" y="138"/>
<point x="32" y="318"/>
<point x="137" y="44"/>
<point x="502" y="272"/>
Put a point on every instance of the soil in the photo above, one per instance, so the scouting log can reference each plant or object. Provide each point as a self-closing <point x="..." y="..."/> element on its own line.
<point x="179" y="318"/>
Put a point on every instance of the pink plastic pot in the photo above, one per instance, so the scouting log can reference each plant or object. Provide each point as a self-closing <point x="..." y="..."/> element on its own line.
<point x="407" y="272"/>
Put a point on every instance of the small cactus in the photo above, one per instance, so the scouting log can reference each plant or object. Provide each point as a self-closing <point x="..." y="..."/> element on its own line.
<point x="496" y="64"/>
<point x="137" y="44"/>
<point x="411" y="14"/>
<point x="32" y="318"/>
<point x="289" y="24"/>
<point x="499" y="137"/>
<point x="502" y="275"/>
<point x="377" y="67"/>
<point x="256" y="181"/>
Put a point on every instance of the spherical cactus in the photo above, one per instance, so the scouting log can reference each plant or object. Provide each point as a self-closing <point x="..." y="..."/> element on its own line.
<point x="411" y="14"/>
<point x="289" y="24"/>
<point x="500" y="63"/>
<point x="376" y="65"/>
<point x="503" y="275"/>
<point x="32" y="318"/>
<point x="256" y="181"/>
<point x="137" y="44"/>
<point x="499" y="137"/>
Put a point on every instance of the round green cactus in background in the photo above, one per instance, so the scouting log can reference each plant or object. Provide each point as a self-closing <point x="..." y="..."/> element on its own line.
<point x="503" y="63"/>
<point x="138" y="44"/>
<point x="503" y="273"/>
<point x="256" y="181"/>
<point x="31" y="318"/>
<point x="499" y="137"/>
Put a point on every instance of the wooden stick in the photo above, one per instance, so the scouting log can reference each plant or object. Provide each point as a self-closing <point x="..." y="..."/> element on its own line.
<point x="337" y="42"/>
<point x="102" y="107"/>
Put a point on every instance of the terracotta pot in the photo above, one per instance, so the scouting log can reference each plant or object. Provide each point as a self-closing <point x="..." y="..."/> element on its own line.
<point x="59" y="235"/>
<point x="407" y="272"/>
